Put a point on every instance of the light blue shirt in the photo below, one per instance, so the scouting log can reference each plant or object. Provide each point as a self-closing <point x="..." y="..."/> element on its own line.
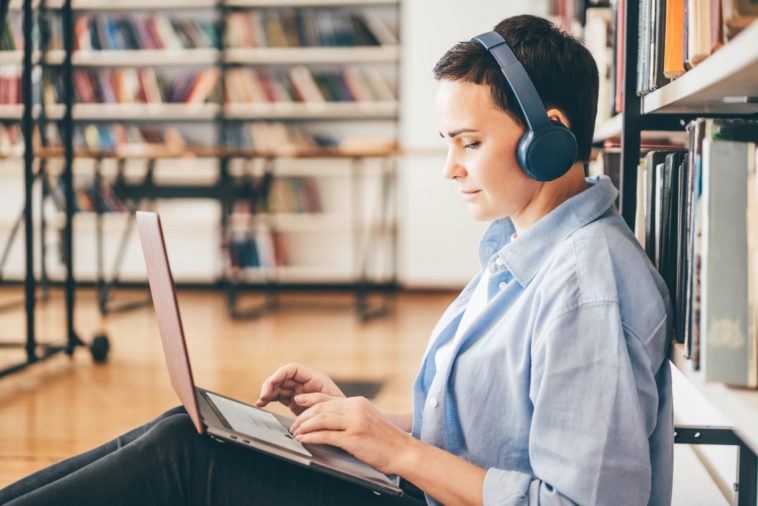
<point x="560" y="388"/>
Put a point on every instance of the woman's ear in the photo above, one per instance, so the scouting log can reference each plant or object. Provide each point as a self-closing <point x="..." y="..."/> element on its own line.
<point x="556" y="115"/>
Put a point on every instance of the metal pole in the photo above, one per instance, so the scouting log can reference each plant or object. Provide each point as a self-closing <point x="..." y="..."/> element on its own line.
<point x="27" y="126"/>
<point x="68" y="178"/>
<point x="632" y="124"/>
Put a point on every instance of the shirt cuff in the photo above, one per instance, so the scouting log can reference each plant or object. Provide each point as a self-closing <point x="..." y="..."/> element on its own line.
<point x="505" y="488"/>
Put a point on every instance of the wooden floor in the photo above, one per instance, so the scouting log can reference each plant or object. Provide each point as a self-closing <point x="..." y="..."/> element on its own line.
<point x="62" y="407"/>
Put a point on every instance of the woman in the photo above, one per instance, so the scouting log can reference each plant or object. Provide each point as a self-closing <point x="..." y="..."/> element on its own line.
<point x="545" y="382"/>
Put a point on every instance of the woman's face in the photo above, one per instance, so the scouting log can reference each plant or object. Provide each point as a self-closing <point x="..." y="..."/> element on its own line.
<point x="481" y="155"/>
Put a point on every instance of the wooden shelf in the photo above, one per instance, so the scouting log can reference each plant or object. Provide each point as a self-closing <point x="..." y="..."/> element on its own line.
<point x="290" y="55"/>
<point x="301" y="110"/>
<point x="123" y="5"/>
<point x="608" y="129"/>
<point x="121" y="112"/>
<point x="172" y="112"/>
<point x="725" y="83"/>
<point x="738" y="405"/>
<point x="307" y="3"/>
<point x="611" y="129"/>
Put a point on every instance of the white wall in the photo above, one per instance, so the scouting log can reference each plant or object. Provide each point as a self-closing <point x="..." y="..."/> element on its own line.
<point x="438" y="240"/>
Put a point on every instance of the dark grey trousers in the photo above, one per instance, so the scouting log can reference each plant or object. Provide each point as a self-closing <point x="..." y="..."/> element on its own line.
<point x="167" y="462"/>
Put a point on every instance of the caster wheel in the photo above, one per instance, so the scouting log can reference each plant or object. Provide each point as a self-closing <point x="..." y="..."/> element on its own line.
<point x="99" y="348"/>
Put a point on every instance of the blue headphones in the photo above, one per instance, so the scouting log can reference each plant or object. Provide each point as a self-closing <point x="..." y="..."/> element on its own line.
<point x="548" y="149"/>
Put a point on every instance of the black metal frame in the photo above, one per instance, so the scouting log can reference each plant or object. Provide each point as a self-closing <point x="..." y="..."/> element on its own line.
<point x="745" y="489"/>
<point x="35" y="351"/>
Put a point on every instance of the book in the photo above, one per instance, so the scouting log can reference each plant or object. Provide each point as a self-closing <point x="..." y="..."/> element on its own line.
<point x="737" y="15"/>
<point x="728" y="338"/>
<point x="673" y="60"/>
<point x="698" y="26"/>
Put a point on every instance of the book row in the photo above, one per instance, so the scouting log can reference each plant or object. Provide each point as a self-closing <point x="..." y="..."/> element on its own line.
<point x="88" y="198"/>
<point x="697" y="219"/>
<point x="253" y="29"/>
<point x="243" y="86"/>
<point x="139" y="32"/>
<point x="307" y="28"/>
<point x="274" y="137"/>
<point x="674" y="36"/>
<point x="301" y="84"/>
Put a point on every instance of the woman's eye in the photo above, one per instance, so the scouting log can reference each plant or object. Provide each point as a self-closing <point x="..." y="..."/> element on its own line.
<point x="471" y="145"/>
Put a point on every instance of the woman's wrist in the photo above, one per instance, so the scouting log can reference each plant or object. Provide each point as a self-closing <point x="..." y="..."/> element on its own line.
<point x="409" y="457"/>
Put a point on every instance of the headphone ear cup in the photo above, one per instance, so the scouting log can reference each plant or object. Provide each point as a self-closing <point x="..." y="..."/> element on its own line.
<point x="548" y="153"/>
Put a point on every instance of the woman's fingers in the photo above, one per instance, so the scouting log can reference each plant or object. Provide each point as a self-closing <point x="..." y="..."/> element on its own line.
<point x="321" y="421"/>
<point x="283" y="377"/>
<point x="311" y="399"/>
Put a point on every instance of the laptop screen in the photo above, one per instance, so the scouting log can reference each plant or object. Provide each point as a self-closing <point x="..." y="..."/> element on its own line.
<point x="167" y="312"/>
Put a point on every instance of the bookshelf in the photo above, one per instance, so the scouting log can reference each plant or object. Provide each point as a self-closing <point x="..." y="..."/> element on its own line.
<point x="723" y="85"/>
<point x="372" y="122"/>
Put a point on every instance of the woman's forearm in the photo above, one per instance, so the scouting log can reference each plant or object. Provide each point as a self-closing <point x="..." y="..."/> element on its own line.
<point x="444" y="476"/>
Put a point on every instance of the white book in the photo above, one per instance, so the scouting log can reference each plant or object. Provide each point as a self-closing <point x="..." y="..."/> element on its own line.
<point x="752" y="268"/>
<point x="380" y="30"/>
<point x="727" y="336"/>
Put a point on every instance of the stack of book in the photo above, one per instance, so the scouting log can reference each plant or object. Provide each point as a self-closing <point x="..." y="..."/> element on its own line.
<point x="300" y="84"/>
<point x="698" y="221"/>
<point x="137" y="86"/>
<point x="306" y="28"/>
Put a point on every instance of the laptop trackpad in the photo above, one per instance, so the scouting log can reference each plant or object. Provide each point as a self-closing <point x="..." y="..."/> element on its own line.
<point x="256" y="423"/>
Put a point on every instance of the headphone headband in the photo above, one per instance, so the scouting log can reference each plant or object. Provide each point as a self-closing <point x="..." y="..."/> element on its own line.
<point x="526" y="95"/>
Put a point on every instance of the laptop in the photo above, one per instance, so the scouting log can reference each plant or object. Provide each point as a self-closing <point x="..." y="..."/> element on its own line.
<point x="221" y="417"/>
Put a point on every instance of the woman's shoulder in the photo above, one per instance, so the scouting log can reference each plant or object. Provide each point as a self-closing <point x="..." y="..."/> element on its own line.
<point x="603" y="262"/>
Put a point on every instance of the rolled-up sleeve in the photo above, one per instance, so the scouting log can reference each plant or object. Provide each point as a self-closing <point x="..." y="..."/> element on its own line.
<point x="595" y="404"/>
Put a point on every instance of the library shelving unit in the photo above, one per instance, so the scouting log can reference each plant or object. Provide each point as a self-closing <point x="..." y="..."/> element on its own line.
<point x="724" y="85"/>
<point x="219" y="116"/>
<point x="37" y="351"/>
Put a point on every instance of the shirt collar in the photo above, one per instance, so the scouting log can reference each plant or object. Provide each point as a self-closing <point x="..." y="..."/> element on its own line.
<point x="524" y="256"/>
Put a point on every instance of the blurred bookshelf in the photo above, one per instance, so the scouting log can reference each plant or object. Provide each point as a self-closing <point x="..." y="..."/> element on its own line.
<point x="246" y="89"/>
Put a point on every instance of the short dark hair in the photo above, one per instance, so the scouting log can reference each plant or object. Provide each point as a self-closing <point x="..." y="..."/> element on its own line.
<point x="561" y="68"/>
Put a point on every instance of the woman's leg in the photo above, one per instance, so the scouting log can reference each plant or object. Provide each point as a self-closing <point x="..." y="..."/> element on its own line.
<point x="172" y="464"/>
<point x="68" y="466"/>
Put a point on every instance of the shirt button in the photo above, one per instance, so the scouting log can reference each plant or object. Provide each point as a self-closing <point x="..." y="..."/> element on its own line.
<point x="433" y="402"/>
<point x="499" y="261"/>
<point x="502" y="285"/>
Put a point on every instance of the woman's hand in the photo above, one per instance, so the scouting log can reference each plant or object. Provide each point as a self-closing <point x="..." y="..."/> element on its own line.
<point x="294" y="379"/>
<point x="354" y="425"/>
